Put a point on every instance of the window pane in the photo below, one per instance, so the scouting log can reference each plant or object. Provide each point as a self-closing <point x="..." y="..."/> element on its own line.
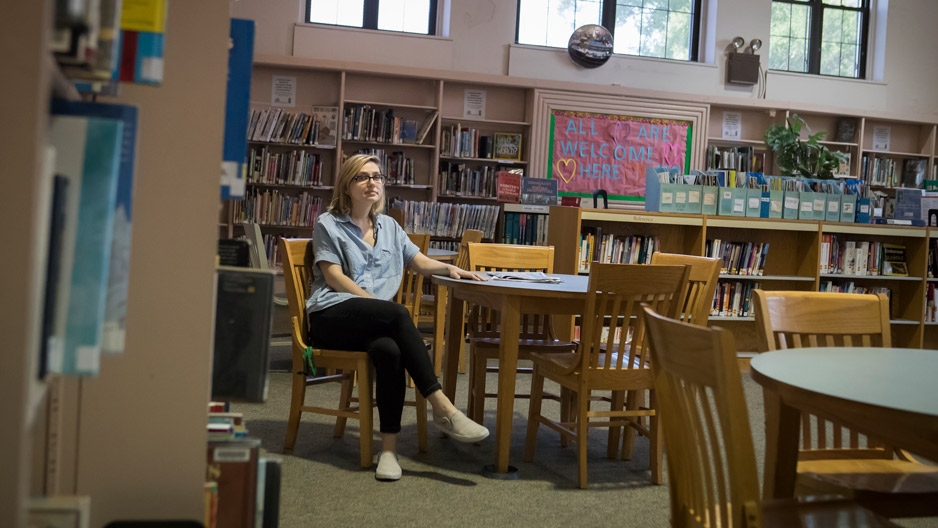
<point x="831" y="25"/>
<point x="412" y="16"/>
<point x="849" y="60"/>
<point x="679" y="36"/>
<point x="628" y="36"/>
<point x="551" y="22"/>
<point x="800" y="21"/>
<point x="798" y="55"/>
<point x="681" y="6"/>
<point x="789" y="31"/>
<point x="778" y="53"/>
<point x="339" y="12"/>
<point x="830" y="58"/>
<point x="654" y="32"/>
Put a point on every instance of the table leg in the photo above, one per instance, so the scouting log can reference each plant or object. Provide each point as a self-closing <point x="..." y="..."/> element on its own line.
<point x="439" y="320"/>
<point x="455" y="313"/>
<point x="507" y="372"/>
<point x="782" y="432"/>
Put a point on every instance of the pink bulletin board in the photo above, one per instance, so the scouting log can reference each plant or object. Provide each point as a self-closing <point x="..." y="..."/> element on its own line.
<point x="591" y="151"/>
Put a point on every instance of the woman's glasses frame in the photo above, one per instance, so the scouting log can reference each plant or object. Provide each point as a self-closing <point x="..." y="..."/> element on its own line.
<point x="376" y="178"/>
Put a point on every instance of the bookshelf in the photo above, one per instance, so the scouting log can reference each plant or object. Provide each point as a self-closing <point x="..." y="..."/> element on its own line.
<point x="739" y="147"/>
<point x="793" y="260"/>
<point x="892" y="149"/>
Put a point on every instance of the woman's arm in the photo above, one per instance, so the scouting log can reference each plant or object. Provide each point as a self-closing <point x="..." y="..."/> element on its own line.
<point x="425" y="265"/>
<point x="338" y="281"/>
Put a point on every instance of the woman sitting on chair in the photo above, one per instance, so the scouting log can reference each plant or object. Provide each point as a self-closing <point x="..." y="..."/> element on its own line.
<point x="360" y="255"/>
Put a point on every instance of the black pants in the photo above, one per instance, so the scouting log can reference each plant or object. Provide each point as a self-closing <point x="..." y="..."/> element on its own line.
<point x="385" y="330"/>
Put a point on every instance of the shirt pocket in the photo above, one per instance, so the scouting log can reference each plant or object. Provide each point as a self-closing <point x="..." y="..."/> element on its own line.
<point x="390" y="263"/>
<point x="354" y="262"/>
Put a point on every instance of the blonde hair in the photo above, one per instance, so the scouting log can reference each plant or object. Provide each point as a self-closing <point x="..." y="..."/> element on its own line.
<point x="341" y="201"/>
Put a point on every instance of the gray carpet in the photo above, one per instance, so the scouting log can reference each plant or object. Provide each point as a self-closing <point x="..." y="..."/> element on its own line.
<point x="323" y="484"/>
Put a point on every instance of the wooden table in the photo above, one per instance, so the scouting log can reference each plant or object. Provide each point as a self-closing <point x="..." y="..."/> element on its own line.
<point x="888" y="393"/>
<point x="439" y="307"/>
<point x="512" y="299"/>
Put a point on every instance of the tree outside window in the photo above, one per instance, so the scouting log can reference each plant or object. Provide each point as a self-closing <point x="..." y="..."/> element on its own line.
<point x="825" y="37"/>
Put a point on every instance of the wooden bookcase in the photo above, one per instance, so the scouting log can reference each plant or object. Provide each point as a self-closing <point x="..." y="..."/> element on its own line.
<point x="792" y="263"/>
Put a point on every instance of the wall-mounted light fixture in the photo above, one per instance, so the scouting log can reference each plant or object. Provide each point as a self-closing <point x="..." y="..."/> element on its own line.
<point x="742" y="67"/>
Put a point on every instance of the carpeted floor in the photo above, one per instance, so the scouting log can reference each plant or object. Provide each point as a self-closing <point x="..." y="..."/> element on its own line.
<point x="323" y="484"/>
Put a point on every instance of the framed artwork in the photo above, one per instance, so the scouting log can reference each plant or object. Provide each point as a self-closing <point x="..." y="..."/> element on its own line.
<point x="507" y="146"/>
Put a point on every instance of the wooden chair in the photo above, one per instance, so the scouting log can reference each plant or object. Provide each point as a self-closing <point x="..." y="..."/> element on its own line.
<point x="483" y="327"/>
<point x="834" y="459"/>
<point x="712" y="475"/>
<point x="697" y="297"/>
<point x="702" y="282"/>
<point x="410" y="294"/>
<point x="433" y="305"/>
<point x="612" y="322"/>
<point x="297" y="255"/>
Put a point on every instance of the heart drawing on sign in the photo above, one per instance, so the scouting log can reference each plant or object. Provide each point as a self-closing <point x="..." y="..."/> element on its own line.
<point x="568" y="165"/>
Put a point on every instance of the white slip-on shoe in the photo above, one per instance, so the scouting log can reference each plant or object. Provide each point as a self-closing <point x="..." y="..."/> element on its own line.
<point x="388" y="469"/>
<point x="460" y="428"/>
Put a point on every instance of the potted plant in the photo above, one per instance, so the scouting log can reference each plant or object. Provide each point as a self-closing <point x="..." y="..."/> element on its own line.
<point x="798" y="157"/>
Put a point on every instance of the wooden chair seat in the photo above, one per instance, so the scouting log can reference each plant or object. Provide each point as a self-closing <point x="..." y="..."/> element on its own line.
<point x="711" y="459"/>
<point x="833" y="459"/>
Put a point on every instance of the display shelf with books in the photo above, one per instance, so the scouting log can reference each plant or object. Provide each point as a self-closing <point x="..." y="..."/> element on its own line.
<point x="895" y="154"/>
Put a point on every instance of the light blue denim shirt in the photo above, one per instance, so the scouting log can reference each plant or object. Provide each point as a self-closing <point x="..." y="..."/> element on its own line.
<point x="378" y="270"/>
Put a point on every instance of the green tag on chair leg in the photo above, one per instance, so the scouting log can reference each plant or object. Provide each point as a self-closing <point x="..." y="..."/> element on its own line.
<point x="309" y="366"/>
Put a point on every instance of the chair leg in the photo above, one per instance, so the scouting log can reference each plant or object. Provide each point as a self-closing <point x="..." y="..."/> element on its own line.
<point x="567" y="411"/>
<point x="345" y="401"/>
<point x="477" y="377"/>
<point x="534" y="414"/>
<point x="654" y="440"/>
<point x="366" y="418"/>
<point x="628" y="435"/>
<point x="421" y="408"/>
<point x="617" y="403"/>
<point x="296" y="409"/>
<point x="582" y="432"/>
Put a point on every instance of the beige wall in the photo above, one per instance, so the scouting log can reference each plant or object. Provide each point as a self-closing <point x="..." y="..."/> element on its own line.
<point x="482" y="33"/>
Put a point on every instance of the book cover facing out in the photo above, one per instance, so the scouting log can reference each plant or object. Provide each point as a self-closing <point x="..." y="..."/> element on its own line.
<point x="88" y="153"/>
<point x="539" y="191"/>
<point x="142" y="42"/>
<point x="113" y="333"/>
<point x="509" y="187"/>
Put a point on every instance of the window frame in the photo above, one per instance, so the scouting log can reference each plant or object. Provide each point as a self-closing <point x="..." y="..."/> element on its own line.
<point x="370" y="10"/>
<point x="815" y="34"/>
<point x="608" y="21"/>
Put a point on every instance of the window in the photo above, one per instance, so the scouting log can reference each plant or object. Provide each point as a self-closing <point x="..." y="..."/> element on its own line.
<point x="409" y="16"/>
<point x="826" y="37"/>
<point x="648" y="28"/>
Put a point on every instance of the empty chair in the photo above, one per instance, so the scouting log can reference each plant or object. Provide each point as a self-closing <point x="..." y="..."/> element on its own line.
<point x="612" y="356"/>
<point x="483" y="329"/>
<point x="702" y="282"/>
<point x="711" y="460"/>
<point x="832" y="458"/>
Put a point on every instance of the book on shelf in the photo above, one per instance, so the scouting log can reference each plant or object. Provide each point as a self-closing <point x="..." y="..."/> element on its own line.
<point x="233" y="465"/>
<point x="88" y="153"/>
<point x="894" y="260"/>
<point x="507" y="146"/>
<point x="846" y="130"/>
<point x="113" y="331"/>
<point x="408" y="131"/>
<point x="913" y="172"/>
<point x="539" y="191"/>
<point x="509" y="187"/>
<point x="53" y="263"/>
<point x="142" y="42"/>
<point x="326" y="119"/>
<point x="426" y="126"/>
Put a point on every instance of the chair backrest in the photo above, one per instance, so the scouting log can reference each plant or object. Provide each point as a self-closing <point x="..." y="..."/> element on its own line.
<point x="711" y="461"/>
<point x="612" y="335"/>
<point x="702" y="282"/>
<point x="484" y="322"/>
<point x="297" y="258"/>
<point x="797" y="319"/>
<point x="473" y="236"/>
<point x="397" y="215"/>
<point x="411" y="290"/>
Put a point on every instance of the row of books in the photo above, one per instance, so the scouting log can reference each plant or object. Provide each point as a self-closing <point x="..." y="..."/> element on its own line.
<point x="739" y="258"/>
<point x="744" y="159"/>
<point x="931" y="307"/>
<point x="448" y="219"/>
<point x="273" y="207"/>
<point x="883" y="172"/>
<point x="733" y="299"/>
<point x="461" y="142"/>
<point x="398" y="166"/>
<point x="525" y="228"/>
<point x="365" y="123"/>
<point x="296" y="167"/>
<point x="852" y="287"/>
<point x="932" y="258"/>
<point x="863" y="258"/>
<point x="457" y="179"/>
<point x="276" y="125"/>
<point x="609" y="248"/>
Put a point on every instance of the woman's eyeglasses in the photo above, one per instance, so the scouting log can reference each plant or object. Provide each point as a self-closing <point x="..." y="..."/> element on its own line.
<point x="377" y="178"/>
